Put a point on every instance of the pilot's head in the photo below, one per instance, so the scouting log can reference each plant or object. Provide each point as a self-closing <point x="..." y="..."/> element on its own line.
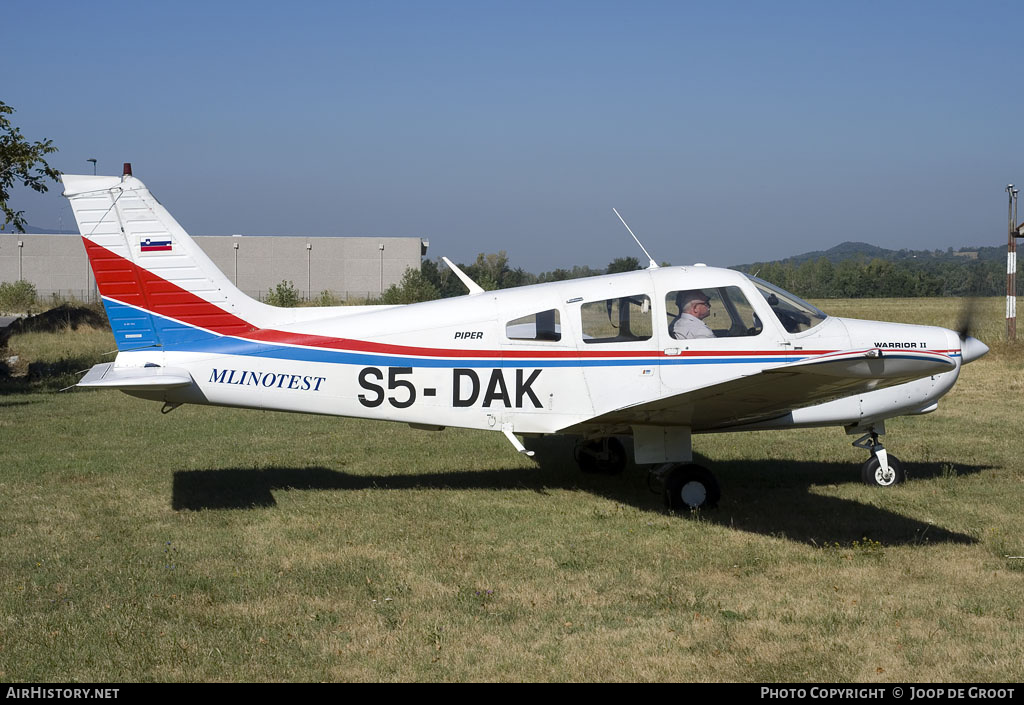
<point x="694" y="302"/>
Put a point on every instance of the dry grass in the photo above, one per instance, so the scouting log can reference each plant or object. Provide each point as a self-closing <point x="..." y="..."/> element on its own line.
<point x="220" y="545"/>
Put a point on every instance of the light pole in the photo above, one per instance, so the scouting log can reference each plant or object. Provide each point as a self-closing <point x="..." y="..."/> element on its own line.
<point x="93" y="165"/>
<point x="381" y="248"/>
<point x="309" y="252"/>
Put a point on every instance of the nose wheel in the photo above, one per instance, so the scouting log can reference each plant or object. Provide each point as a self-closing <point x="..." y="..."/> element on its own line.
<point x="873" y="473"/>
<point x="882" y="469"/>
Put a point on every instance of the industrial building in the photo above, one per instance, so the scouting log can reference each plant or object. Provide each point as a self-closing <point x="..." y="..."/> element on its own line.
<point x="347" y="267"/>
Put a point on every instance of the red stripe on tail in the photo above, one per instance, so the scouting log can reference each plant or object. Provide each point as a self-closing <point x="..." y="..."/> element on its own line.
<point x="125" y="281"/>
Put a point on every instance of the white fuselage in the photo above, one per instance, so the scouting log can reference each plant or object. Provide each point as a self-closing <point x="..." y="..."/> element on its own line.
<point x="453" y="363"/>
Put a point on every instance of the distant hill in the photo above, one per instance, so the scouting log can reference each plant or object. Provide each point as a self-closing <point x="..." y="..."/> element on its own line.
<point x="857" y="269"/>
<point x="863" y="251"/>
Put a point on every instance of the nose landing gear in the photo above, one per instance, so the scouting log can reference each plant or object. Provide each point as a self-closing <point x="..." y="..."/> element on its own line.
<point x="882" y="469"/>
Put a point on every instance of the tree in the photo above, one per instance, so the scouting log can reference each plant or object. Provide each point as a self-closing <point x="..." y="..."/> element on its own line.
<point x="623" y="264"/>
<point x="489" y="270"/>
<point x="577" y="272"/>
<point x="21" y="161"/>
<point x="414" y="287"/>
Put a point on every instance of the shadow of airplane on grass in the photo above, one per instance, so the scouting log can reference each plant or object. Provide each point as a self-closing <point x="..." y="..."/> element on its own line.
<point x="777" y="497"/>
<point x="769" y="497"/>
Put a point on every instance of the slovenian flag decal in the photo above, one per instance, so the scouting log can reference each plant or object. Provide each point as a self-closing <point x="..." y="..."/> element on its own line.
<point x="148" y="244"/>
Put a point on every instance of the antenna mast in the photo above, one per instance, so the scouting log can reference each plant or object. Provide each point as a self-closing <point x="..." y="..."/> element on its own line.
<point x="652" y="264"/>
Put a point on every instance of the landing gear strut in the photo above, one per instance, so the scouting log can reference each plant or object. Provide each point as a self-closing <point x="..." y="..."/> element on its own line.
<point x="881" y="469"/>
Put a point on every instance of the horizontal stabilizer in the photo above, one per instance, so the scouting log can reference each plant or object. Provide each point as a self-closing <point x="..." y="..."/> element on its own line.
<point x="106" y="376"/>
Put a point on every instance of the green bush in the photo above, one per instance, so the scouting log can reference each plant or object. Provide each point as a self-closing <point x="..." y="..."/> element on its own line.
<point x="17" y="297"/>
<point x="414" y="288"/>
<point x="284" y="295"/>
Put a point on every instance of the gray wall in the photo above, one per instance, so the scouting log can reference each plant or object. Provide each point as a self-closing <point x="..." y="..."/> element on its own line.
<point x="348" y="267"/>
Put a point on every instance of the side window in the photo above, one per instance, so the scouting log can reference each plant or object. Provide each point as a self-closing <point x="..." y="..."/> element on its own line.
<point x="618" y="320"/>
<point x="721" y="312"/>
<point x="537" y="326"/>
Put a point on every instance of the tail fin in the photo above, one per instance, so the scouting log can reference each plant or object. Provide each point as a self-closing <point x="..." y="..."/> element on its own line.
<point x="159" y="288"/>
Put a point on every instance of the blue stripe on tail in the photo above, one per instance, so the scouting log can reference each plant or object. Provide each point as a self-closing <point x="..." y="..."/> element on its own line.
<point x="133" y="329"/>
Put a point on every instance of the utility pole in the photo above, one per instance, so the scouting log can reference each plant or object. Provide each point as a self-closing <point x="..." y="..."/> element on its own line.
<point x="1011" y="265"/>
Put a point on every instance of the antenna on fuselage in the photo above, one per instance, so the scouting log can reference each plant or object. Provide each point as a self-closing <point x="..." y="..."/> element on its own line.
<point x="473" y="287"/>
<point x="653" y="264"/>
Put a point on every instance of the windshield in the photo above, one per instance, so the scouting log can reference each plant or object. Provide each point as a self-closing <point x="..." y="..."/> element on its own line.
<point x="795" y="314"/>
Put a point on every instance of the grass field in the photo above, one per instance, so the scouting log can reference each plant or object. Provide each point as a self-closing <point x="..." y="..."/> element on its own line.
<point x="223" y="545"/>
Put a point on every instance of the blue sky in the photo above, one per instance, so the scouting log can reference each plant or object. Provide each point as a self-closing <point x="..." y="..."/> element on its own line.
<point x="724" y="132"/>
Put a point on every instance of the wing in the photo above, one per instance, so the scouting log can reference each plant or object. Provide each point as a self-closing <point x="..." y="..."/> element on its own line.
<point x="778" y="390"/>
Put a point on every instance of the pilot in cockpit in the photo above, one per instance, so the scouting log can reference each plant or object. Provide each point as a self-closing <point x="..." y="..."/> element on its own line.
<point x="694" y="306"/>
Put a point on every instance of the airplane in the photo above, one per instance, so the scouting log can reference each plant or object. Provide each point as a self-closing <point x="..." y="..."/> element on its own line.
<point x="598" y="358"/>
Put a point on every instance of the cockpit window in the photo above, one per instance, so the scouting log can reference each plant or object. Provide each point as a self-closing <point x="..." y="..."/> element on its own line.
<point x="718" y="312"/>
<point x="795" y="314"/>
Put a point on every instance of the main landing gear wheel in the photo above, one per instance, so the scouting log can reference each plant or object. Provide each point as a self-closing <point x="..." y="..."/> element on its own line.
<point x="872" y="473"/>
<point x="601" y="456"/>
<point x="690" y="487"/>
